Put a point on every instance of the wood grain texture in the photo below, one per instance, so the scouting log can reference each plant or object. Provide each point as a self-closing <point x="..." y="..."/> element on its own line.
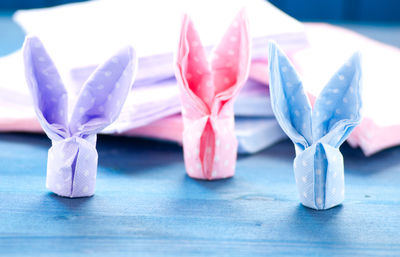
<point x="145" y="205"/>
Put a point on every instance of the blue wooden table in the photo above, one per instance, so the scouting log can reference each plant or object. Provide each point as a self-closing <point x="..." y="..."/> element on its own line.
<point x="145" y="204"/>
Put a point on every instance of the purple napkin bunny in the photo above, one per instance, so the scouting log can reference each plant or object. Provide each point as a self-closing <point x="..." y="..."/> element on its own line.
<point x="72" y="159"/>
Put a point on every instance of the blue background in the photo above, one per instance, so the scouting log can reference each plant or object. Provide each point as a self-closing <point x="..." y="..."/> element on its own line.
<point x="26" y="4"/>
<point x="346" y="10"/>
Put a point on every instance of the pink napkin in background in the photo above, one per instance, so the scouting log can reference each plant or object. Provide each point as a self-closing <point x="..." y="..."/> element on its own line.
<point x="378" y="130"/>
<point x="380" y="126"/>
<point x="208" y="92"/>
<point x="332" y="45"/>
<point x="155" y="96"/>
<point x="307" y="45"/>
<point x="381" y="82"/>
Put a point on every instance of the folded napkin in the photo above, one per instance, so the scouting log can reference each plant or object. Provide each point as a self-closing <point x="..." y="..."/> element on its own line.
<point x="155" y="96"/>
<point x="208" y="92"/>
<point x="72" y="159"/>
<point x="317" y="134"/>
<point x="152" y="26"/>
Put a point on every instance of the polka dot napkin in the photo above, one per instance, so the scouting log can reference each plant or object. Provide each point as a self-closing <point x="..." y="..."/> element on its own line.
<point x="316" y="133"/>
<point x="72" y="159"/>
<point x="208" y="90"/>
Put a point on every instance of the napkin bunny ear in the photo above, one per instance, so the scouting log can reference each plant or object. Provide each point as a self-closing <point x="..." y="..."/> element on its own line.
<point x="337" y="110"/>
<point x="207" y="93"/>
<point x="72" y="158"/>
<point x="289" y="101"/>
<point x="229" y="66"/>
<point x="192" y="65"/>
<point x="318" y="166"/>
<point x="231" y="58"/>
<point x="49" y="95"/>
<point x="103" y="95"/>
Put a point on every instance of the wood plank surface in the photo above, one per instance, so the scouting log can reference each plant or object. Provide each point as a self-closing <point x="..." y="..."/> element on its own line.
<point x="145" y="205"/>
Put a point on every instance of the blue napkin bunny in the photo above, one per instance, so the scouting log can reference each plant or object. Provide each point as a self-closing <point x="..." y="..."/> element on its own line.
<point x="316" y="133"/>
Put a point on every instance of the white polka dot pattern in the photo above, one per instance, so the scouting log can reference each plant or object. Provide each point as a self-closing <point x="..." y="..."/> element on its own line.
<point x="72" y="168"/>
<point x="72" y="160"/>
<point x="318" y="133"/>
<point x="207" y="94"/>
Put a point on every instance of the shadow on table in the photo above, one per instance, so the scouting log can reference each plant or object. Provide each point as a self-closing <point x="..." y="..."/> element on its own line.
<point x="26" y="139"/>
<point x="283" y="150"/>
<point x="135" y="155"/>
<point x="209" y="184"/>
<point x="69" y="203"/>
<point x="357" y="163"/>
<point x="315" y="225"/>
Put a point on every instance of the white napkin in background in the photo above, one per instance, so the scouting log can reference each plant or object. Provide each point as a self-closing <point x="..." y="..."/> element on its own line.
<point x="76" y="33"/>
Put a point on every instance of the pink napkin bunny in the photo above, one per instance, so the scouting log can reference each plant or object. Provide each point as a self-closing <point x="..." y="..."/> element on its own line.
<point x="208" y="91"/>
